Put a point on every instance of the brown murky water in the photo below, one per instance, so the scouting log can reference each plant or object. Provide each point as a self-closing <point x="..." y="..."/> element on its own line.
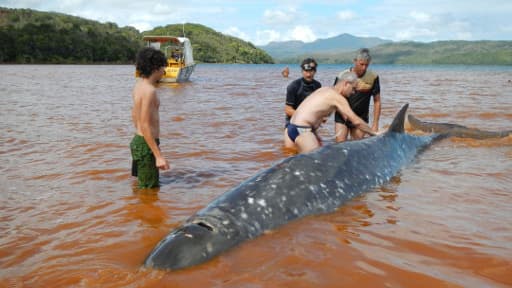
<point x="71" y="217"/>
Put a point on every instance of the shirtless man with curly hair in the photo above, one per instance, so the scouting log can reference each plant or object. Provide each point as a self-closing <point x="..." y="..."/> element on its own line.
<point x="146" y="155"/>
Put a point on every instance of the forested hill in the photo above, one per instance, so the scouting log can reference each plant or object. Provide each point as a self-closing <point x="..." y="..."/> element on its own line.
<point x="29" y="36"/>
<point x="446" y="52"/>
<point x="439" y="52"/>
<point x="211" y="46"/>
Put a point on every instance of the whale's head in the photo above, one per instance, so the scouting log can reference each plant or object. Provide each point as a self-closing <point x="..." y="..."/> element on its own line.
<point x="191" y="244"/>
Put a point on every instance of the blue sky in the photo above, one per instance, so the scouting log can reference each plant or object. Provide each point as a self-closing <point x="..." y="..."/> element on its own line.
<point x="263" y="21"/>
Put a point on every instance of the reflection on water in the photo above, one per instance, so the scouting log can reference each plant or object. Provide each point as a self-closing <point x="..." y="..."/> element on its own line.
<point x="71" y="215"/>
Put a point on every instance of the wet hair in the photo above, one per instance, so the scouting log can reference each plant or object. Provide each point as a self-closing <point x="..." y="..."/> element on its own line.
<point x="346" y="76"/>
<point x="363" y="54"/>
<point x="306" y="64"/>
<point x="148" y="60"/>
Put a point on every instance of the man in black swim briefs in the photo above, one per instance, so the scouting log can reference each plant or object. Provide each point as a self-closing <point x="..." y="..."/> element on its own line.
<point x="297" y="91"/>
<point x="296" y="130"/>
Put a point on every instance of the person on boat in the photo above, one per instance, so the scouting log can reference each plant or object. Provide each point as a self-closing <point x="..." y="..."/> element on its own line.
<point x="318" y="106"/>
<point x="367" y="86"/>
<point x="297" y="91"/>
<point x="145" y="151"/>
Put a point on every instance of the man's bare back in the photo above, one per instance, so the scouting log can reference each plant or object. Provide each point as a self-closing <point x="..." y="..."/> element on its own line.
<point x="319" y="105"/>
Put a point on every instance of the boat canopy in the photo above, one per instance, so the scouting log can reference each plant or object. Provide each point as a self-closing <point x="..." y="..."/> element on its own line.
<point x="181" y="43"/>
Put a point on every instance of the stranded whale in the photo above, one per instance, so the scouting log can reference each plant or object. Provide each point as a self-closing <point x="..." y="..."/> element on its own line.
<point x="305" y="184"/>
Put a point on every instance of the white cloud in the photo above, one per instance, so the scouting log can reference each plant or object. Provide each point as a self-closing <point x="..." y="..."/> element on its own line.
<point x="414" y="33"/>
<point x="420" y="16"/>
<point x="420" y="26"/>
<point x="141" y="26"/>
<point x="303" y="33"/>
<point x="234" y="31"/>
<point x="346" y="15"/>
<point x="162" y="9"/>
<point x="278" y="17"/>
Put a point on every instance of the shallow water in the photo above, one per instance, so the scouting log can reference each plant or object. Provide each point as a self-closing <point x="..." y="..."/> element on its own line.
<point x="70" y="215"/>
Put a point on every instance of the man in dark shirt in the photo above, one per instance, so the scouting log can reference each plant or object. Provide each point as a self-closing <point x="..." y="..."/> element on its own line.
<point x="367" y="86"/>
<point x="297" y="91"/>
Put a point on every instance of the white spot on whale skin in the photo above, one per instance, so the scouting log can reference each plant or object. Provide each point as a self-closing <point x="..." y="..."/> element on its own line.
<point x="250" y="200"/>
<point x="243" y="215"/>
<point x="262" y="202"/>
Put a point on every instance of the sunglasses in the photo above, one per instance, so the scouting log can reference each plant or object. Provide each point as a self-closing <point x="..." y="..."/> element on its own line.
<point x="308" y="67"/>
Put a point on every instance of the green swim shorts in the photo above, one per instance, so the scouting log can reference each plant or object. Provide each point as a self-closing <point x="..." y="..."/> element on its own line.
<point x="144" y="163"/>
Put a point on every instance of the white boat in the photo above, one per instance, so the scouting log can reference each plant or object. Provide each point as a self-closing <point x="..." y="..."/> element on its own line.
<point x="180" y="60"/>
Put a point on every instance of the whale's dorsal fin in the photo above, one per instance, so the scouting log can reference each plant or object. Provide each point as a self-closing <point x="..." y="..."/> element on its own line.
<point x="398" y="123"/>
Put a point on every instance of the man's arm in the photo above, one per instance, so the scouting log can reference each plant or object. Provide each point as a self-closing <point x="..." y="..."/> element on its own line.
<point x="291" y="99"/>
<point x="288" y="110"/>
<point x="376" y="112"/>
<point x="361" y="125"/>
<point x="344" y="108"/>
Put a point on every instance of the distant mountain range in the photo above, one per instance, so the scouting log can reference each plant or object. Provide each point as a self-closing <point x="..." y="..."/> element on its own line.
<point x="341" y="49"/>
<point x="341" y="43"/>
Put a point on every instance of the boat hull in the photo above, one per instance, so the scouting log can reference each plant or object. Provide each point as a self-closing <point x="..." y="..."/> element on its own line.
<point x="178" y="74"/>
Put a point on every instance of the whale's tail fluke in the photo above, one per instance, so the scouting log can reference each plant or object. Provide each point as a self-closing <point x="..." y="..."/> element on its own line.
<point x="455" y="130"/>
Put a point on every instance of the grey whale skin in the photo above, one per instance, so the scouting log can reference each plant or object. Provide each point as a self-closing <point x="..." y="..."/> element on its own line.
<point x="305" y="184"/>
